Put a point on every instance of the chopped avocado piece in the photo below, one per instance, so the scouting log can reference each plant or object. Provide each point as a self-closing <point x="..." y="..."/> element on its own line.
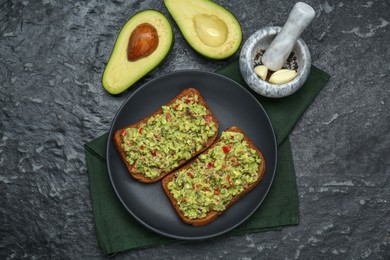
<point x="209" y="28"/>
<point x="144" y="41"/>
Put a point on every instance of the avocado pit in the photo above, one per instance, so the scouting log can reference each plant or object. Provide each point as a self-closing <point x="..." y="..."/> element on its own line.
<point x="143" y="41"/>
<point x="210" y="29"/>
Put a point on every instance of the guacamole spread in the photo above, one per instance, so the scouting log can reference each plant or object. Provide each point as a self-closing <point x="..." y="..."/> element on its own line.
<point x="216" y="177"/>
<point x="158" y="145"/>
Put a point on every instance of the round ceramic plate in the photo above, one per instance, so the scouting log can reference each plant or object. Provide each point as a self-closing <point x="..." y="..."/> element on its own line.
<point x="232" y="104"/>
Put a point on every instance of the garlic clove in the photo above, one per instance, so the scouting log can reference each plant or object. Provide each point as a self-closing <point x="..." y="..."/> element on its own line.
<point x="282" y="76"/>
<point x="261" y="71"/>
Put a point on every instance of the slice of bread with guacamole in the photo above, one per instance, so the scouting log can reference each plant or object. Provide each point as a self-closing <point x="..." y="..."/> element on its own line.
<point x="168" y="138"/>
<point x="201" y="190"/>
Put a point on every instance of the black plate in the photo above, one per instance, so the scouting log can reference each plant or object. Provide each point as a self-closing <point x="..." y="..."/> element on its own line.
<point x="232" y="104"/>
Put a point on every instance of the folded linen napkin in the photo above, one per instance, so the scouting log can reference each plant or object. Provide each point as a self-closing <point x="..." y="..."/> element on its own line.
<point x="117" y="231"/>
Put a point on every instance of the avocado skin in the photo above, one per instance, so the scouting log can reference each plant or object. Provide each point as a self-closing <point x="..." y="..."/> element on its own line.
<point x="216" y="53"/>
<point x="116" y="79"/>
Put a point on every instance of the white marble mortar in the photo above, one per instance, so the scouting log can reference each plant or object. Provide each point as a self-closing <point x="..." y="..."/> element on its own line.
<point x="261" y="40"/>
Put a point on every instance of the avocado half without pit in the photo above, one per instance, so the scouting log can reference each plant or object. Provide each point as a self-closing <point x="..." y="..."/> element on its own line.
<point x="209" y="28"/>
<point x="144" y="41"/>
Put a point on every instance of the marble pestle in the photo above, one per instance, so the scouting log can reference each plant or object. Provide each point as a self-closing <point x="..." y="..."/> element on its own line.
<point x="280" y="48"/>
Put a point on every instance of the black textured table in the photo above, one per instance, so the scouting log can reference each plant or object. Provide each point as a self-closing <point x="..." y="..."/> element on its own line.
<point x="52" y="56"/>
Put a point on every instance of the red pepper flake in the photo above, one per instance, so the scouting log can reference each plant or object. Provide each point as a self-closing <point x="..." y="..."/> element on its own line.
<point x="134" y="167"/>
<point x="184" y="199"/>
<point x="142" y="147"/>
<point x="232" y="137"/>
<point x="168" y="116"/>
<point x="154" y="153"/>
<point x="210" y="165"/>
<point x="226" y="148"/>
<point x="123" y="132"/>
<point x="196" y="186"/>
<point x="190" y="174"/>
<point x="141" y="130"/>
<point x="228" y="179"/>
<point x="187" y="101"/>
<point x="205" y="189"/>
<point x="217" y="192"/>
<point x="176" y="107"/>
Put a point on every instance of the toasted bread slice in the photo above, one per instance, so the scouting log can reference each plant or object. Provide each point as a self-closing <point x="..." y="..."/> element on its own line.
<point x="144" y="154"/>
<point x="201" y="178"/>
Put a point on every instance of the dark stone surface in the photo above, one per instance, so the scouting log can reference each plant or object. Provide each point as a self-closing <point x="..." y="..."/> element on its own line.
<point x="52" y="55"/>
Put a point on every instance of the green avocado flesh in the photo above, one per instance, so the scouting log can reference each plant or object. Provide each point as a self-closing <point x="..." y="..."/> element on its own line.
<point x="121" y="73"/>
<point x="209" y="28"/>
<point x="158" y="145"/>
<point x="215" y="178"/>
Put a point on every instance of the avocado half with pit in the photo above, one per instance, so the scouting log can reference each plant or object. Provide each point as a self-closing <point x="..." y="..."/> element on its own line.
<point x="209" y="28"/>
<point x="144" y="41"/>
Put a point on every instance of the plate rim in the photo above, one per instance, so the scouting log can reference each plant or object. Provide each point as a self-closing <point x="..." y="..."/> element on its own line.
<point x="109" y="141"/>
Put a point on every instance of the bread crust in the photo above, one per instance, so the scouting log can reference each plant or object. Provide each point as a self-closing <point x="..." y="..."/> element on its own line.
<point x="118" y="139"/>
<point x="212" y="215"/>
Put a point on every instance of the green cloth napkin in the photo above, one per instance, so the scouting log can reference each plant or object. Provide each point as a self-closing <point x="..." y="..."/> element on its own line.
<point x="116" y="229"/>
